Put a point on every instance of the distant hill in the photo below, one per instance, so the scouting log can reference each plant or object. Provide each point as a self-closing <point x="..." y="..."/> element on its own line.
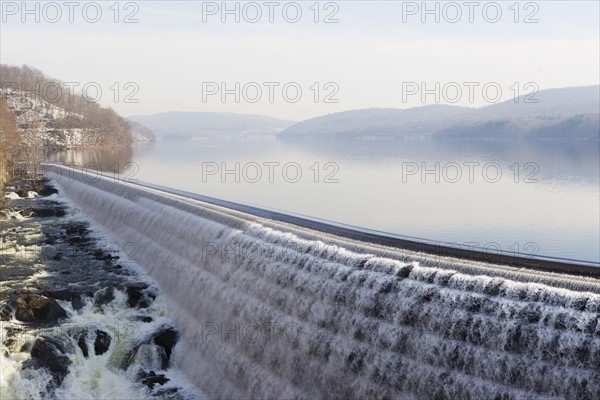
<point x="176" y="126"/>
<point x="568" y="113"/>
<point x="556" y="103"/>
<point x="577" y="127"/>
<point x="378" y="122"/>
<point x="141" y="133"/>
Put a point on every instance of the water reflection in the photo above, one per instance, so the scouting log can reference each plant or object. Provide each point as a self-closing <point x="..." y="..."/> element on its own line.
<point x="546" y="196"/>
<point x="113" y="159"/>
<point x="556" y="161"/>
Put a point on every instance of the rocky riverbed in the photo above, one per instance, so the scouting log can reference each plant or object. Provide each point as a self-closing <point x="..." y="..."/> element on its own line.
<point x="79" y="319"/>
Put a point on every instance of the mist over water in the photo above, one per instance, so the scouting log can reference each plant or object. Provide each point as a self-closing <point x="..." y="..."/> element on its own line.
<point x="544" y="202"/>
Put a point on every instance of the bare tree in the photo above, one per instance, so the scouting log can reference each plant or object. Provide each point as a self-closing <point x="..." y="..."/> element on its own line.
<point x="9" y="142"/>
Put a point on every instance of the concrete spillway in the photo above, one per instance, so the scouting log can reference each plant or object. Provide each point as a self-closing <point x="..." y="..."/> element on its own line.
<point x="268" y="309"/>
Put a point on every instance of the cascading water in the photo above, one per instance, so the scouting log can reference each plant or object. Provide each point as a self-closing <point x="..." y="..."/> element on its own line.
<point x="266" y="313"/>
<point x="77" y="320"/>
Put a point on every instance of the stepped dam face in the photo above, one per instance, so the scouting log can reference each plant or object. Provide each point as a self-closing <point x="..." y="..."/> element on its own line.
<point x="268" y="310"/>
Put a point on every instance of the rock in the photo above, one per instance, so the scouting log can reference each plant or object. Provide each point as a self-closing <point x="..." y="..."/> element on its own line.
<point x="49" y="211"/>
<point x="143" y="318"/>
<point x="104" y="296"/>
<point x="146" y="301"/>
<point x="102" y="342"/>
<point x="47" y="190"/>
<point x="135" y="291"/>
<point x="49" y="353"/>
<point x="5" y="312"/>
<point x="38" y="308"/>
<point x="82" y="343"/>
<point x="166" y="338"/>
<point x="67" y="295"/>
<point x="151" y="378"/>
<point x="138" y="295"/>
<point x="76" y="302"/>
<point x="59" y="294"/>
<point x="45" y="308"/>
<point x="99" y="255"/>
<point x="24" y="313"/>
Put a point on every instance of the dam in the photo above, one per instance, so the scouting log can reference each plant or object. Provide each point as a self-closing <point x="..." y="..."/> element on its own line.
<point x="272" y="309"/>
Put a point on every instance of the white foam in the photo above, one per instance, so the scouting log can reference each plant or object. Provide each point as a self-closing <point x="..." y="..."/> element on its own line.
<point x="267" y="314"/>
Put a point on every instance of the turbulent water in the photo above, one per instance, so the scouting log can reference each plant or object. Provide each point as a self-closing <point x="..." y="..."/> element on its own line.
<point x="103" y="347"/>
<point x="270" y="312"/>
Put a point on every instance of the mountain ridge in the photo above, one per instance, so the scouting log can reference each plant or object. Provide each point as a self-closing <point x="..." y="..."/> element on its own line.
<point x="511" y="118"/>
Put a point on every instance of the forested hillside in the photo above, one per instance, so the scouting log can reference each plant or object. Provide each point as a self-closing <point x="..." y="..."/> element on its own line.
<point x="51" y="112"/>
<point x="40" y="114"/>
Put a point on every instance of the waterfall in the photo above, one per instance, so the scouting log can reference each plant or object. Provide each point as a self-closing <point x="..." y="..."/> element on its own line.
<point x="270" y="312"/>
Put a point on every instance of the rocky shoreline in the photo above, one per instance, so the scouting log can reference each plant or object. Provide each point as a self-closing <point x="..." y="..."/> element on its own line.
<point x="67" y="295"/>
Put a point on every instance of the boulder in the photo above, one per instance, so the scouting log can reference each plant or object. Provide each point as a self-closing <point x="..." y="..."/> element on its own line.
<point x="35" y="308"/>
<point x="67" y="295"/>
<point x="166" y="338"/>
<point x="47" y="190"/>
<point x="77" y="302"/>
<point x="51" y="354"/>
<point x="104" y="296"/>
<point x="102" y="342"/>
<point x="138" y="295"/>
<point x="82" y="343"/>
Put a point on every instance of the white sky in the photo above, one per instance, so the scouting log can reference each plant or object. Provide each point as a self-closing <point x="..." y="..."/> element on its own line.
<point x="369" y="53"/>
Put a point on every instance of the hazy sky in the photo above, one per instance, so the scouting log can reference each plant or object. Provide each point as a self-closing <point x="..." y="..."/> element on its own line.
<point x="377" y="54"/>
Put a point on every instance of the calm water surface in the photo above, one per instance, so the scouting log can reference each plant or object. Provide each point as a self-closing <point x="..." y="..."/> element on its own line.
<point x="525" y="198"/>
